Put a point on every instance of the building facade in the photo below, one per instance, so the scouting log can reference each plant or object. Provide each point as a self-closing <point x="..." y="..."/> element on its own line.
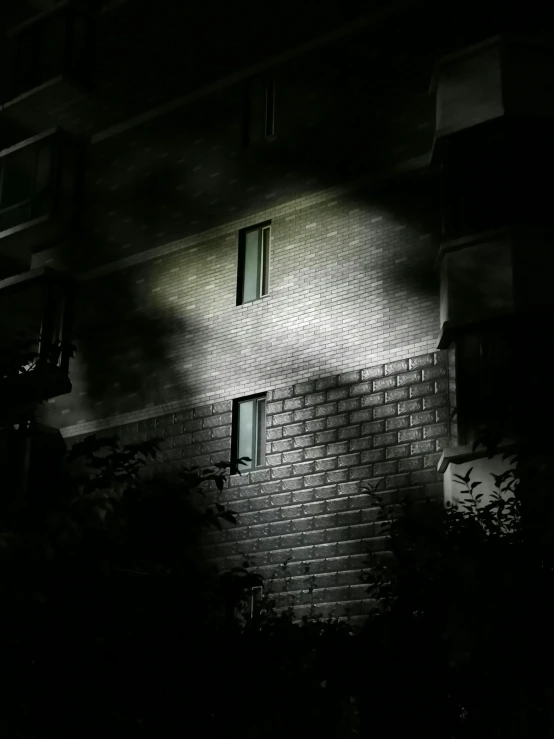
<point x="307" y="248"/>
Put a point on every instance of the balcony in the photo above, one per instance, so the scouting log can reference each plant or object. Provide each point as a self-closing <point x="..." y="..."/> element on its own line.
<point x="493" y="275"/>
<point x="494" y="175"/>
<point x="35" y="331"/>
<point x="476" y="279"/>
<point x="48" y="64"/>
<point x="496" y="300"/>
<point x="39" y="195"/>
<point x="511" y="74"/>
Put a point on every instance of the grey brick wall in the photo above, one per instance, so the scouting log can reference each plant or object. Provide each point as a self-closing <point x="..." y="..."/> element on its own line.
<point x="186" y="171"/>
<point x="351" y="281"/>
<point x="349" y="287"/>
<point x="343" y="344"/>
<point x="326" y="440"/>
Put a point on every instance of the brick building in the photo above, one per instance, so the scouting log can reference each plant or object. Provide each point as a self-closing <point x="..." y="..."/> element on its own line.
<point x="305" y="246"/>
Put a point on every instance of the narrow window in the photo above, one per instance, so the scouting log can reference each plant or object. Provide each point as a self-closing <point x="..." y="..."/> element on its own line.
<point x="249" y="432"/>
<point x="259" y="110"/>
<point x="253" y="269"/>
<point x="269" y="108"/>
<point x="484" y="381"/>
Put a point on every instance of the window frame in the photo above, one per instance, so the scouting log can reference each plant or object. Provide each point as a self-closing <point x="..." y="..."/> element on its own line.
<point x="264" y="262"/>
<point x="258" y="459"/>
<point x="269" y="109"/>
<point x="258" y="125"/>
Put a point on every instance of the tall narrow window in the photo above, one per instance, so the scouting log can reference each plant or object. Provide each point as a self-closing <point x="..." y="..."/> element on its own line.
<point x="259" y="110"/>
<point x="484" y="380"/>
<point x="249" y="432"/>
<point x="253" y="272"/>
<point x="269" y="108"/>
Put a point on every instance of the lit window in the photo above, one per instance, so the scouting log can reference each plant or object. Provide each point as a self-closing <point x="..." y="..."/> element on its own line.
<point x="249" y="432"/>
<point x="253" y="270"/>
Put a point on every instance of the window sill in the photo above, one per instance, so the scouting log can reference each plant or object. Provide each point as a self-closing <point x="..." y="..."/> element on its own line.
<point x="252" y="302"/>
<point x="461" y="454"/>
<point x="246" y="472"/>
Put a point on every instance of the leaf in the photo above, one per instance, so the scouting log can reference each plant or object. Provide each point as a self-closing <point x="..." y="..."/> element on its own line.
<point x="464" y="478"/>
<point x="222" y="465"/>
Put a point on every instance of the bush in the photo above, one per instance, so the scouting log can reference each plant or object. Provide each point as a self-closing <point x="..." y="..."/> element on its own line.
<point x="103" y="586"/>
<point x="463" y="633"/>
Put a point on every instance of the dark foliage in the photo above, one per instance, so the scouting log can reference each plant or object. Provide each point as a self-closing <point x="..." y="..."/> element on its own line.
<point x="106" y="599"/>
<point x="463" y="634"/>
<point x="112" y="620"/>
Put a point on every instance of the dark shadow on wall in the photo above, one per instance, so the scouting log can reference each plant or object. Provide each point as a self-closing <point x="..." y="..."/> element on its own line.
<point x="173" y="196"/>
<point x="123" y="338"/>
<point x="123" y="347"/>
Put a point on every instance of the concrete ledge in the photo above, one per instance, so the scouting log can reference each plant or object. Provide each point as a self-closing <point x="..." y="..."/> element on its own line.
<point x="461" y="454"/>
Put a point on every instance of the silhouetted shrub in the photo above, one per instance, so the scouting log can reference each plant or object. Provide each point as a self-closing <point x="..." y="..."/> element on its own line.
<point x="461" y="643"/>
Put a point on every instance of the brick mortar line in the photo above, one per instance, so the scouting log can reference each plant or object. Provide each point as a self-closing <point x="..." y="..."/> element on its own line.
<point x="144" y="414"/>
<point x="313" y="558"/>
<point x="348" y="497"/>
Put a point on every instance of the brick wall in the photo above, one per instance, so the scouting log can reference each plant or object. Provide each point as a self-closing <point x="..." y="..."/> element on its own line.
<point x="326" y="440"/>
<point x="187" y="171"/>
<point x="352" y="280"/>
<point x="351" y="284"/>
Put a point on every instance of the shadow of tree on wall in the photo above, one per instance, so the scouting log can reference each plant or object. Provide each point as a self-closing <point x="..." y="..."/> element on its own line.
<point x="122" y="336"/>
<point x="123" y="347"/>
<point x="124" y="339"/>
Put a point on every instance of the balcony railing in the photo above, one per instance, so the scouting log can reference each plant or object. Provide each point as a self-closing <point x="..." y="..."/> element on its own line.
<point x="39" y="189"/>
<point x="35" y="334"/>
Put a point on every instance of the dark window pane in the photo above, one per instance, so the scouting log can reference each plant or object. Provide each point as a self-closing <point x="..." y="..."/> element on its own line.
<point x="257" y="95"/>
<point x="16" y="188"/>
<point x="80" y="46"/>
<point x="43" y="182"/>
<point x="20" y="311"/>
<point x="24" y="62"/>
<point x="17" y="178"/>
<point x="269" y="108"/>
<point x="260" y="456"/>
<point x="265" y="260"/>
<point x="51" y="48"/>
<point x="28" y="183"/>
<point x="484" y="382"/>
